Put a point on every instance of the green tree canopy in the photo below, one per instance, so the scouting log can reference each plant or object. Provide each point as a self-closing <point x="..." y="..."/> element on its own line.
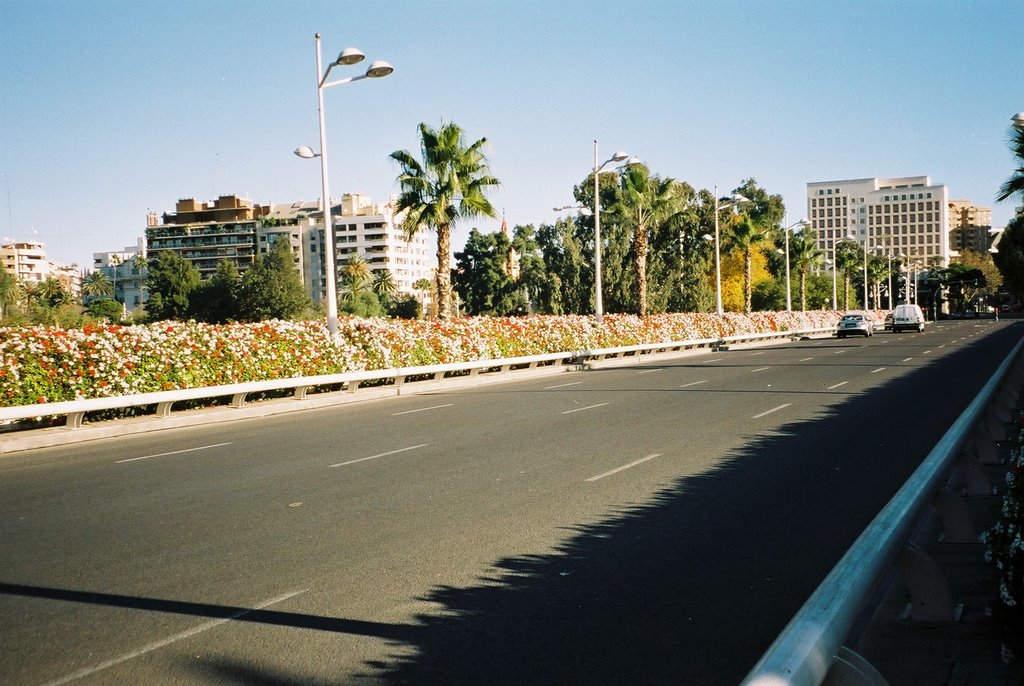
<point x="171" y="280"/>
<point x="272" y="287"/>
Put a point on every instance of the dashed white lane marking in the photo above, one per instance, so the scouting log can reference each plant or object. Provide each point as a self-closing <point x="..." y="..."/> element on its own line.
<point x="768" y="412"/>
<point x="624" y="467"/>
<point x="806" y="359"/>
<point x="422" y="409"/>
<point x="880" y="369"/>
<point x="907" y="359"/>
<point x="156" y="645"/>
<point x="173" y="452"/>
<point x="836" y="385"/>
<point x="588" y="407"/>
<point x="563" y="385"/>
<point x="374" y="457"/>
<point x="759" y="369"/>
<point x="693" y="383"/>
<point x="649" y="371"/>
<point x="717" y="359"/>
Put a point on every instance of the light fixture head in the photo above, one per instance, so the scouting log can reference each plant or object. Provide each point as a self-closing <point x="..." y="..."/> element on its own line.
<point x="305" y="152"/>
<point x="736" y="197"/>
<point x="349" y="56"/>
<point x="378" y="69"/>
<point x="633" y="161"/>
<point x="619" y="156"/>
<point x="708" y="237"/>
<point x="1018" y="120"/>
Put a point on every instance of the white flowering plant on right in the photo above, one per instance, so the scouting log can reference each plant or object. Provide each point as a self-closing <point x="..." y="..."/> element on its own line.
<point x="1005" y="540"/>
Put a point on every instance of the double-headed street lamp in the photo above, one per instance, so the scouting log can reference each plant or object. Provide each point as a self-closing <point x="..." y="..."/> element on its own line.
<point x="734" y="201"/>
<point x="835" y="267"/>
<point x="377" y="69"/>
<point x="618" y="158"/>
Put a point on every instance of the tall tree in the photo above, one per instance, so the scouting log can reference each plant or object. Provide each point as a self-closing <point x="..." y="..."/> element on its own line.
<point x="644" y="201"/>
<point x="272" y="287"/>
<point x="804" y="254"/>
<point x="9" y="293"/>
<point x="215" y="300"/>
<point x="171" y="279"/>
<point x="448" y="184"/>
<point x="743" y="235"/>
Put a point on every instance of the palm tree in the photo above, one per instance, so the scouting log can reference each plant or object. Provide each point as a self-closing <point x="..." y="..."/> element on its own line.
<point x="96" y="284"/>
<point x="448" y="185"/>
<point x="357" y="268"/>
<point x="352" y="286"/>
<point x="848" y="260"/>
<point x="745" y="236"/>
<point x="643" y="201"/>
<point x="1015" y="184"/>
<point x="804" y="253"/>
<point x="115" y="262"/>
<point x="384" y="285"/>
<point x="425" y="287"/>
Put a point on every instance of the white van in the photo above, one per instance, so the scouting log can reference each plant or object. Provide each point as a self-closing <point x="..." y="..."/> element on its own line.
<point x="908" y="317"/>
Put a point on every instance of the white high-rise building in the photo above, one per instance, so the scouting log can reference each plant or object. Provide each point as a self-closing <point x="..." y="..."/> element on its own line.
<point x="906" y="216"/>
<point x="361" y="228"/>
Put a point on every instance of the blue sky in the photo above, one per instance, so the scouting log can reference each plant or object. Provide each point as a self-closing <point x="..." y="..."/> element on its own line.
<point x="111" y="109"/>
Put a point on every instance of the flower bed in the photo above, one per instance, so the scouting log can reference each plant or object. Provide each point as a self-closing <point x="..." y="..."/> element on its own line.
<point x="41" y="364"/>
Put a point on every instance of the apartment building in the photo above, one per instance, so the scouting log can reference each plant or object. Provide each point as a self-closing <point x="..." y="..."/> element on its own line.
<point x="905" y="216"/>
<point x="361" y="227"/>
<point x="205" y="233"/>
<point x="27" y="261"/>
<point x="126" y="273"/>
<point x="970" y="227"/>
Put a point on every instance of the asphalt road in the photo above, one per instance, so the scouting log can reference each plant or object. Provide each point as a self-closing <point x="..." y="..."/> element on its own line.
<point x="648" y="523"/>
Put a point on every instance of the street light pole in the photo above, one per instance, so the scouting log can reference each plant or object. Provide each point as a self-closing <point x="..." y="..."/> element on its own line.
<point x="785" y="232"/>
<point x="377" y="69"/>
<point x="598" y="297"/>
<point x="736" y="199"/>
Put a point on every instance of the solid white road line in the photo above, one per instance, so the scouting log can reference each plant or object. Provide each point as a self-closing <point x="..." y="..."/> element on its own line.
<point x="422" y="409"/>
<point x="693" y="383"/>
<point x="588" y="407"/>
<point x="563" y="385"/>
<point x="836" y="385"/>
<point x="768" y="412"/>
<point x="374" y="457"/>
<point x="205" y="626"/>
<point x="624" y="467"/>
<point x="173" y="452"/>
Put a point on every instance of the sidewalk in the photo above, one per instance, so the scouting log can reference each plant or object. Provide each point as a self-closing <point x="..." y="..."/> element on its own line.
<point x="984" y="647"/>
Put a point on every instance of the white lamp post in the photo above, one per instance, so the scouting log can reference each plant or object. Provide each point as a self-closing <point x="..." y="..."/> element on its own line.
<point x="735" y="200"/>
<point x="598" y="168"/>
<point x="789" y="301"/>
<point x="377" y="69"/>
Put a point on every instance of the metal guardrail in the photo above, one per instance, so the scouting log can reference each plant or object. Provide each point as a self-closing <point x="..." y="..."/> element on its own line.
<point x="394" y="378"/>
<point x="812" y="643"/>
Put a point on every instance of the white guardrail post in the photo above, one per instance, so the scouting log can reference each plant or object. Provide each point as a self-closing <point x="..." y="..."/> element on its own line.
<point x="812" y="643"/>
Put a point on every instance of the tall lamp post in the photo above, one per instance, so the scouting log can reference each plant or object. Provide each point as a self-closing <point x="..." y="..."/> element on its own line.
<point x="835" y="268"/>
<point x="785" y="232"/>
<point x="377" y="69"/>
<point x="618" y="157"/>
<point x="734" y="201"/>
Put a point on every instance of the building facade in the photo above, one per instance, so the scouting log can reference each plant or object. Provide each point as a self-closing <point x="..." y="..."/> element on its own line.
<point x="362" y="228"/>
<point x="27" y="261"/>
<point x="206" y="233"/>
<point x="238" y="230"/>
<point x="970" y="227"/>
<point x="905" y="216"/>
<point x="126" y="271"/>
